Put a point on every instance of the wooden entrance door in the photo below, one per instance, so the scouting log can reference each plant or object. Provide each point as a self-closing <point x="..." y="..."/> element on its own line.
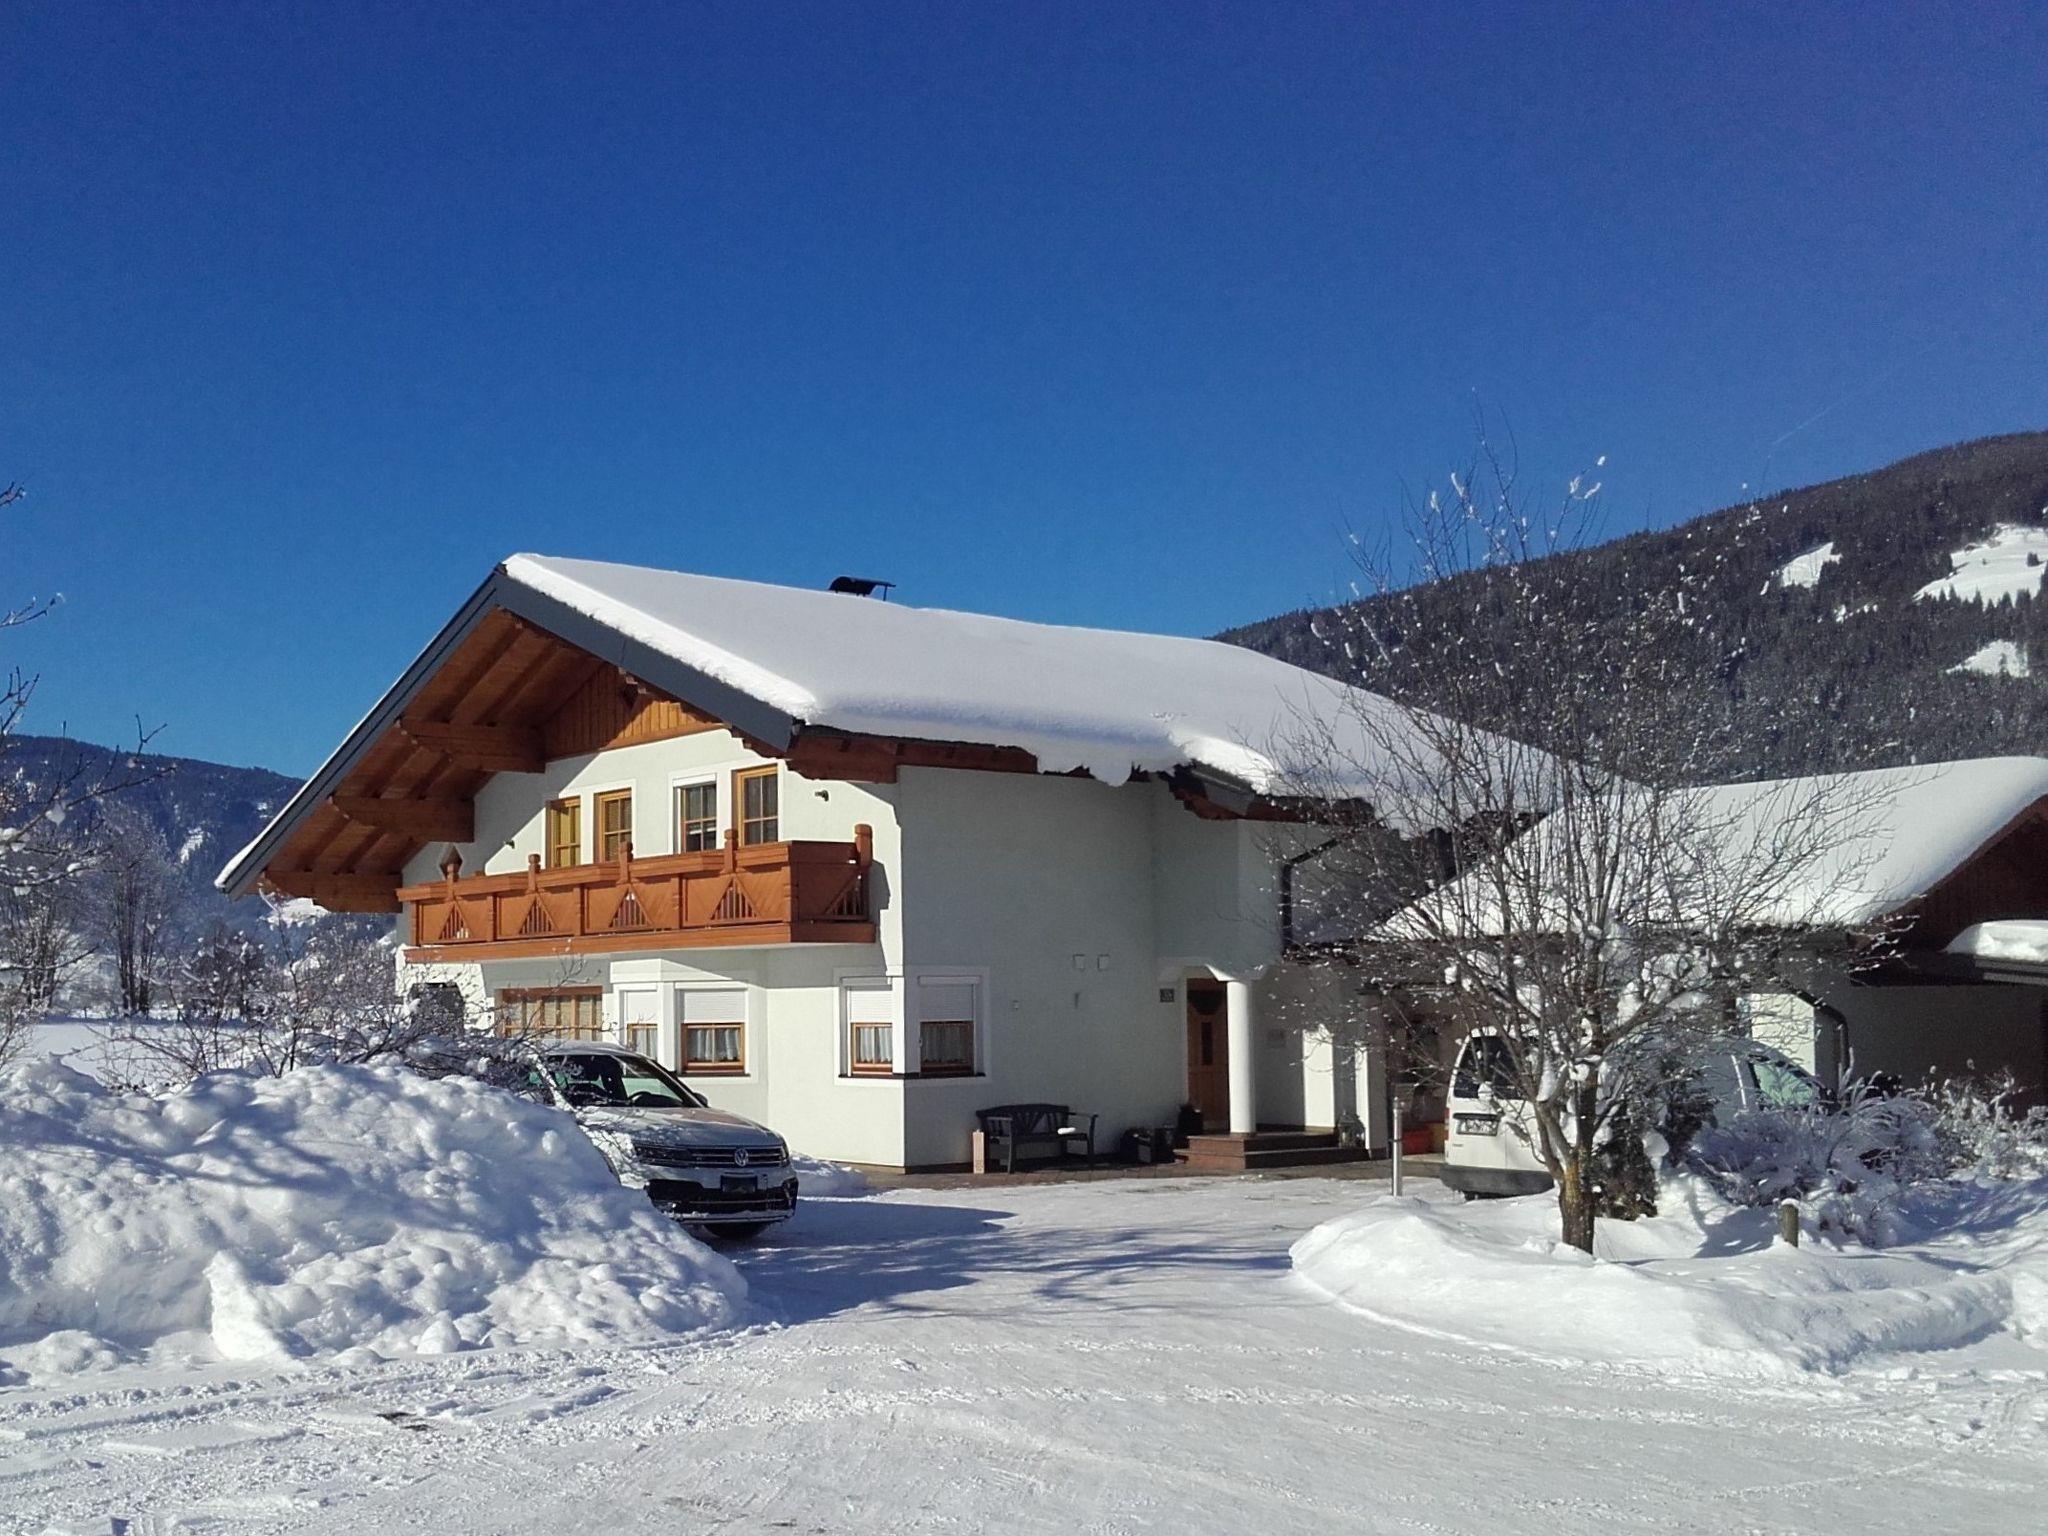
<point x="1208" y="1055"/>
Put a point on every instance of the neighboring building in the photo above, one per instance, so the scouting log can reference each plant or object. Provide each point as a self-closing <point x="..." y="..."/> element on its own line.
<point x="857" y="869"/>
<point x="1915" y="948"/>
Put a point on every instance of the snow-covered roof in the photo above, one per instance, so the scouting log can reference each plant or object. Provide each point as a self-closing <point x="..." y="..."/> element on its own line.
<point x="772" y="662"/>
<point x="1109" y="702"/>
<point x="2019" y="940"/>
<point x="1834" y="851"/>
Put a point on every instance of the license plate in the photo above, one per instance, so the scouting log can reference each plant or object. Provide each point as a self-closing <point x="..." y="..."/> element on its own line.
<point x="1478" y="1125"/>
<point x="740" y="1183"/>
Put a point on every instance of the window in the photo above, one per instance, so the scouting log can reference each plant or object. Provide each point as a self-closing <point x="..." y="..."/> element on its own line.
<point x="714" y="1029"/>
<point x="870" y="1028"/>
<point x="640" y="1020"/>
<point x="1486" y="1060"/>
<point x="613" y="813"/>
<point x="759" y="796"/>
<point x="565" y="833"/>
<point x="696" y="817"/>
<point x="945" y="1026"/>
<point x="562" y="1013"/>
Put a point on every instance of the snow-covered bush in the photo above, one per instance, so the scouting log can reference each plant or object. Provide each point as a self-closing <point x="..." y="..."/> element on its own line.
<point x="1852" y="1164"/>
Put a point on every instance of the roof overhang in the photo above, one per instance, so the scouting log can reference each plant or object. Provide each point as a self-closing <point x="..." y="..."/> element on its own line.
<point x="746" y="715"/>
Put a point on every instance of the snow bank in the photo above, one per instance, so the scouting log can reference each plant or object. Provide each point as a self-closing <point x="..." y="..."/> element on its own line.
<point x="817" y="1179"/>
<point x="1707" y="1289"/>
<point x="335" y="1211"/>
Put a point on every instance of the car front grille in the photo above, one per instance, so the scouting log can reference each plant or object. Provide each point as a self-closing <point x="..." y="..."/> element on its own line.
<point x="710" y="1157"/>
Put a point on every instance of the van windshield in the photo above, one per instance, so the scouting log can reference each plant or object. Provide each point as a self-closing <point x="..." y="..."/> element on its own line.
<point x="1485" y="1060"/>
<point x="1779" y="1085"/>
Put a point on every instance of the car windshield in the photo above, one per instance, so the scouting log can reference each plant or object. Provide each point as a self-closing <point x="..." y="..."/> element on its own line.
<point x="605" y="1080"/>
<point x="1485" y="1061"/>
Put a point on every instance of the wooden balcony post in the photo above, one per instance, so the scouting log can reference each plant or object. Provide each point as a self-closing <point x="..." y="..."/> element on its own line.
<point x="451" y="868"/>
<point x="863" y="845"/>
<point x="626" y="862"/>
<point x="732" y="849"/>
<point x="533" y="874"/>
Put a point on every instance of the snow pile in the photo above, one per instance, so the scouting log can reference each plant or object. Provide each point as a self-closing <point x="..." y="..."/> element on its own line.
<point x="1997" y="658"/>
<point x="1707" y="1288"/>
<point x="334" y="1211"/>
<point x="2022" y="939"/>
<point x="1803" y="570"/>
<point x="2007" y="564"/>
<point x="817" y="1179"/>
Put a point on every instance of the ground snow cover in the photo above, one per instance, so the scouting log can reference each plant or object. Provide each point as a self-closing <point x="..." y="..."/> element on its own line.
<point x="337" y="1212"/>
<point x="2007" y="564"/>
<point x="1995" y="658"/>
<point x="1110" y="1355"/>
<point x="1707" y="1287"/>
<point x="1803" y="570"/>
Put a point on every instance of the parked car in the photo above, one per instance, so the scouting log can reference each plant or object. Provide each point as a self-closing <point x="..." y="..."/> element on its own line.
<point x="1487" y="1150"/>
<point x="707" y="1167"/>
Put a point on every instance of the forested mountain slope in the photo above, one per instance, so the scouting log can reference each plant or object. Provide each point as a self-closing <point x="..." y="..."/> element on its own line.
<point x="1891" y="617"/>
<point x="201" y="811"/>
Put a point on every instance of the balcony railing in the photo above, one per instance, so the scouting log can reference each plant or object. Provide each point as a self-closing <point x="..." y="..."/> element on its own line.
<point x="763" y="893"/>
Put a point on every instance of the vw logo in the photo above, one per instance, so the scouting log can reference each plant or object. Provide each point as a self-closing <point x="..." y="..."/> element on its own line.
<point x="739" y="1158"/>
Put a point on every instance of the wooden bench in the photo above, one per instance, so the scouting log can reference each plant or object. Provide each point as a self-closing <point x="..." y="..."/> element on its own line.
<point x="1046" y="1130"/>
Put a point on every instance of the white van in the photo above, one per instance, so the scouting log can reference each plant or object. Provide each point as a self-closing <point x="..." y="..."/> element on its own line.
<point x="1487" y="1148"/>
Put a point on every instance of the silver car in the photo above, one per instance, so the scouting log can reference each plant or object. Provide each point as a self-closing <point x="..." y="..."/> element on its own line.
<point x="706" y="1167"/>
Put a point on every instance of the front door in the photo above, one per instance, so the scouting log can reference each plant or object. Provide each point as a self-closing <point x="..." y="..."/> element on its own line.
<point x="1208" y="1055"/>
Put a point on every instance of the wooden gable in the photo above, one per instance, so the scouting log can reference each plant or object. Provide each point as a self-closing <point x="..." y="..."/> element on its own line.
<point x="510" y="698"/>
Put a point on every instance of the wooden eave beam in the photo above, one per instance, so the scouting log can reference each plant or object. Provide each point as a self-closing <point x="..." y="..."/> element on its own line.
<point x="491" y="748"/>
<point x="337" y="892"/>
<point x="422" y="819"/>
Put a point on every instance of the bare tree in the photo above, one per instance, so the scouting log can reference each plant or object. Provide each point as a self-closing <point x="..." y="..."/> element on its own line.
<point x="1518" y="839"/>
<point x="139" y="899"/>
<point x="317" y="992"/>
<point x="44" y="853"/>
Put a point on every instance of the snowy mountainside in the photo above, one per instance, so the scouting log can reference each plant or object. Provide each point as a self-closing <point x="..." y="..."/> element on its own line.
<point x="1882" y="619"/>
<point x="203" y="811"/>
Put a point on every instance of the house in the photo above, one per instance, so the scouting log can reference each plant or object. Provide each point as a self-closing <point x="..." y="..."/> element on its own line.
<point x="1912" y="943"/>
<point x="855" y="868"/>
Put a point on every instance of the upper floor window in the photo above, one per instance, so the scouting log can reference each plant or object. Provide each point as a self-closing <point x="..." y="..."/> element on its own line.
<point x="760" y="805"/>
<point x="614" y="817"/>
<point x="696" y="817"/>
<point x="565" y="833"/>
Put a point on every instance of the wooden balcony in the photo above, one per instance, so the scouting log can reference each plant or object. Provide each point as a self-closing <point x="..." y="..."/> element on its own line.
<point x="766" y="893"/>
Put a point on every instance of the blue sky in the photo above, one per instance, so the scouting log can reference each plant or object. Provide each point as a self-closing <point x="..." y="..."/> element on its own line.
<point x="1113" y="314"/>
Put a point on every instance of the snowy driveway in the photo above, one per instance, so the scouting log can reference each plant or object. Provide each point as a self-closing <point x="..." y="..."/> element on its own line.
<point x="1116" y="1356"/>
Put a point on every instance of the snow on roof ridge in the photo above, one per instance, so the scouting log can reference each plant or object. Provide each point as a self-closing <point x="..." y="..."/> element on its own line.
<point x="544" y="573"/>
<point x="1110" y="702"/>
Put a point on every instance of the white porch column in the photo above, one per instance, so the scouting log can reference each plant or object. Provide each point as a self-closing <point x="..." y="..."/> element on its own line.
<point x="1237" y="1017"/>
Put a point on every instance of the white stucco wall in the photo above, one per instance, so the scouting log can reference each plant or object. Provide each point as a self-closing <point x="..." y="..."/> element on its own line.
<point x="1076" y="907"/>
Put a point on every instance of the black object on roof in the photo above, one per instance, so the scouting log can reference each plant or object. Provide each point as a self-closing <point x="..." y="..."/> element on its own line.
<point x="860" y="586"/>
